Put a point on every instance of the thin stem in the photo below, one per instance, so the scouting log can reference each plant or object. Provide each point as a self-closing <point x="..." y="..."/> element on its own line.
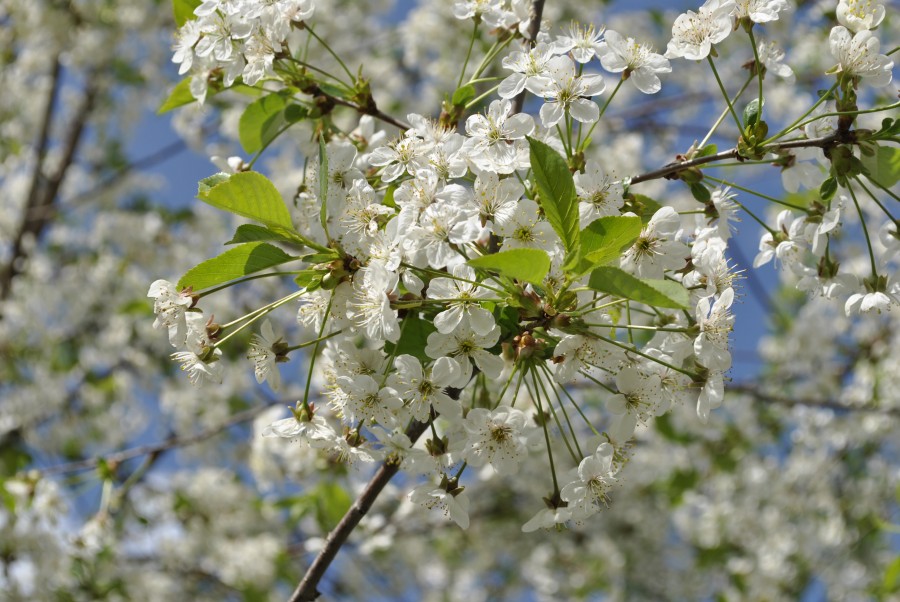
<point x="543" y="415"/>
<point x="462" y="72"/>
<point x="481" y="97"/>
<point x="737" y="121"/>
<point x="572" y="401"/>
<point x="158" y="447"/>
<point x="885" y="189"/>
<point x="315" y="353"/>
<point x="538" y="383"/>
<point x="644" y="355"/>
<point x="331" y="52"/>
<point x="306" y="590"/>
<point x="759" y="73"/>
<point x="255" y="315"/>
<point x="771" y="199"/>
<point x="862" y="221"/>
<point x="841" y="113"/>
<point x="795" y="125"/>
<point x="565" y="415"/>
<point x="216" y="289"/>
<point x="584" y="142"/>
<point x="723" y="114"/>
<point x="314" y="341"/>
<point x="877" y="202"/>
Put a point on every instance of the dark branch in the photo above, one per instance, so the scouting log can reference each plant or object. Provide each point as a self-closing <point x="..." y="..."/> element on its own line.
<point x="307" y="589"/>
<point x="828" y="404"/>
<point x="674" y="168"/>
<point x="159" y="447"/>
<point x="45" y="189"/>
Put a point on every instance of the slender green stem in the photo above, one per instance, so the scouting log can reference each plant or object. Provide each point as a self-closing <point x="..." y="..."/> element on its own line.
<point x="481" y="97"/>
<point x="840" y="113"/>
<point x="562" y="408"/>
<point x="255" y="315"/>
<point x="877" y="202"/>
<point x="723" y="114"/>
<point x="771" y="199"/>
<point x="737" y="121"/>
<point x="639" y="327"/>
<point x="331" y="52"/>
<point x="490" y="56"/>
<point x="598" y="382"/>
<point x="795" y="125"/>
<point x="573" y="402"/>
<point x="885" y="189"/>
<point x="644" y="355"/>
<point x="315" y="354"/>
<point x="537" y="383"/>
<point x="267" y="144"/>
<point x="537" y="400"/>
<point x="314" y="341"/>
<point x="582" y="144"/>
<point x="462" y="72"/>
<point x="862" y="221"/>
<point x="306" y="65"/>
<point x="759" y="72"/>
<point x="506" y="387"/>
<point x="216" y="289"/>
<point x="747" y="211"/>
<point x="452" y="277"/>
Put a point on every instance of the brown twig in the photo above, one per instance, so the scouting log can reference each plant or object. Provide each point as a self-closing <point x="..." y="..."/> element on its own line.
<point x="673" y="168"/>
<point x="158" y="447"/>
<point x="827" y="404"/>
<point x="44" y="189"/>
<point x="307" y="589"/>
<point x="534" y="27"/>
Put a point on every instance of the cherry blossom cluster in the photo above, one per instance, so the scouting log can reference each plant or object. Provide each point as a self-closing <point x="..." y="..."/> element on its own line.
<point x="409" y="325"/>
<point x="236" y="38"/>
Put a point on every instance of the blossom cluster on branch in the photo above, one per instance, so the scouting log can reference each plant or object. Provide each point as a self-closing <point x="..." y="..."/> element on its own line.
<point x="464" y="280"/>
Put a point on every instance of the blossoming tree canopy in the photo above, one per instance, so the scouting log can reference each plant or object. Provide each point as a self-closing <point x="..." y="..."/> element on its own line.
<point x="460" y="273"/>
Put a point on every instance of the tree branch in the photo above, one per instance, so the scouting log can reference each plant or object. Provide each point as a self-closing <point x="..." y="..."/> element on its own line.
<point x="828" y="404"/>
<point x="307" y="589"/>
<point x="44" y="190"/>
<point x="674" y="168"/>
<point x="158" y="447"/>
<point x="534" y="27"/>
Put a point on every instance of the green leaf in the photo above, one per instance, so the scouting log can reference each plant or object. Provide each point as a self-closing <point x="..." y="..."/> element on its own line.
<point x="253" y="233"/>
<point x="249" y="194"/>
<point x="207" y="184"/>
<point x="891" y="582"/>
<point x="184" y="10"/>
<point x="603" y="240"/>
<point x="700" y="192"/>
<point x="884" y="167"/>
<point x="556" y="192"/>
<point x="261" y="122"/>
<point x="178" y="97"/>
<point x="828" y="188"/>
<point x="659" y="293"/>
<point x="331" y="503"/>
<point x="247" y="258"/>
<point x="527" y="265"/>
<point x="413" y="338"/>
<point x="751" y="112"/>
<point x="642" y="205"/>
<point x="463" y="95"/>
<point x="309" y="278"/>
<point x="706" y="151"/>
